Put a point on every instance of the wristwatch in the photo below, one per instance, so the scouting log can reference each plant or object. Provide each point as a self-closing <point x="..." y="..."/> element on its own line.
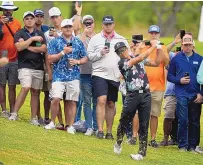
<point x="62" y="52"/>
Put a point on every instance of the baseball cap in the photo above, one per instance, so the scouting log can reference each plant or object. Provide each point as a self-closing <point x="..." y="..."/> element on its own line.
<point x="187" y="39"/>
<point x="107" y="19"/>
<point x="54" y="11"/>
<point x="154" y="28"/>
<point x="66" y="22"/>
<point x="86" y="17"/>
<point x="38" y="12"/>
<point x="119" y="45"/>
<point x="28" y="13"/>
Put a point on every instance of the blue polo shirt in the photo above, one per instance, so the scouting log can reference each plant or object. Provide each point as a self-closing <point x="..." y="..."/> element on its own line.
<point x="61" y="71"/>
<point x="170" y="87"/>
<point x="180" y="64"/>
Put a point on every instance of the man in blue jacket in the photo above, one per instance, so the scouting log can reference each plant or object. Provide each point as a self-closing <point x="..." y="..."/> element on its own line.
<point x="183" y="72"/>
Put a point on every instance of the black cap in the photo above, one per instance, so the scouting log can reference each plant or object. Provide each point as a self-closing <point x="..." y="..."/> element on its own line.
<point x="107" y="19"/>
<point x="119" y="45"/>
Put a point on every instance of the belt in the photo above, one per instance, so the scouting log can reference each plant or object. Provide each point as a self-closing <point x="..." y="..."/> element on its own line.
<point x="140" y="91"/>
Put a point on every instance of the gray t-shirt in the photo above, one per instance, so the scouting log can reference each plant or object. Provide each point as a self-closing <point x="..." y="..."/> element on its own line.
<point x="87" y="67"/>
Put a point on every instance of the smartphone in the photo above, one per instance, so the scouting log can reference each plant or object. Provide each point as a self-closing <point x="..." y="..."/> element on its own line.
<point x="186" y="74"/>
<point x="147" y="43"/>
<point x="178" y="49"/>
<point x="107" y="44"/>
<point x="51" y="28"/>
<point x="182" y="33"/>
<point x="138" y="37"/>
<point x="79" y="3"/>
<point x="69" y="44"/>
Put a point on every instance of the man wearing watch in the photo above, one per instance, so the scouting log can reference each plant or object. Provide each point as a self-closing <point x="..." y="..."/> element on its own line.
<point x="66" y="73"/>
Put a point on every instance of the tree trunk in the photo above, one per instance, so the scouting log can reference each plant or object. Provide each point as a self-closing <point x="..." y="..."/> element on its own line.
<point x="46" y="5"/>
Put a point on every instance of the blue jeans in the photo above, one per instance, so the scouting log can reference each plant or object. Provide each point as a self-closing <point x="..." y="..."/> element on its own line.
<point x="188" y="114"/>
<point x="86" y="99"/>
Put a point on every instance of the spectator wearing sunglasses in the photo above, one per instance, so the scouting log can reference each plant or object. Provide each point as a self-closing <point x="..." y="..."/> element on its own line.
<point x="86" y="97"/>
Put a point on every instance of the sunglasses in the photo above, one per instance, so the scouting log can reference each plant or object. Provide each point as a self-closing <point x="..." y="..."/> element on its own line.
<point x="88" y="23"/>
<point x="68" y="26"/>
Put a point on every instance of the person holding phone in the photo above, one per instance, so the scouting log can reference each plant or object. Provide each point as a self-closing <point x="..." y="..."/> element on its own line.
<point x="8" y="73"/>
<point x="86" y="99"/>
<point x="157" y="81"/>
<point x="65" y="80"/>
<point x="182" y="72"/>
<point x="105" y="73"/>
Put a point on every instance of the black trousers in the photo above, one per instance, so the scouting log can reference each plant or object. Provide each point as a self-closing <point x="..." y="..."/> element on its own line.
<point x="142" y="103"/>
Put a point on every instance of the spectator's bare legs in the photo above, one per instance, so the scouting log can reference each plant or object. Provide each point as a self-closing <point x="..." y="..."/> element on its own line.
<point x="101" y="106"/>
<point x="12" y="96"/>
<point x="34" y="102"/>
<point x="3" y="103"/>
<point x="135" y="125"/>
<point x="20" y="99"/>
<point x="153" y="126"/>
<point x="59" y="115"/>
<point x="110" y="113"/>
<point x="54" y="108"/>
<point x="47" y="105"/>
<point x="38" y="111"/>
<point x="70" y="112"/>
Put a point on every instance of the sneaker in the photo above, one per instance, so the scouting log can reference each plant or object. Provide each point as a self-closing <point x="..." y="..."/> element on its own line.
<point x="41" y="121"/>
<point x="89" y="132"/>
<point x="172" y="142"/>
<point x="199" y="150"/>
<point x="60" y="127"/>
<point x="35" y="122"/>
<point x="51" y="125"/>
<point x="100" y="134"/>
<point x="192" y="150"/>
<point x="71" y="130"/>
<point x="163" y="143"/>
<point x="136" y="156"/>
<point x="109" y="136"/>
<point x="47" y="121"/>
<point x="153" y="143"/>
<point x="132" y="141"/>
<point x="13" y="116"/>
<point x="183" y="149"/>
<point x="117" y="148"/>
<point x="5" y="114"/>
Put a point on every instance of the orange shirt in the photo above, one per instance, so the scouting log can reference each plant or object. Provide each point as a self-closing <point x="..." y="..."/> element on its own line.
<point x="7" y="43"/>
<point x="156" y="75"/>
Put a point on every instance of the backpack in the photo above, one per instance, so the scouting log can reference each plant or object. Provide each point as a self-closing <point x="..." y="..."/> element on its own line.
<point x="200" y="74"/>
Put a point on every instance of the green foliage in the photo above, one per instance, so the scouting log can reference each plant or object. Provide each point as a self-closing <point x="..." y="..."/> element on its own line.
<point x="131" y="16"/>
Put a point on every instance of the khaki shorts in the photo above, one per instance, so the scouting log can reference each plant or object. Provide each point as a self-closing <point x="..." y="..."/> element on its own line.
<point x="157" y="98"/>
<point x="170" y="107"/>
<point x="31" y="78"/>
<point x="71" y="88"/>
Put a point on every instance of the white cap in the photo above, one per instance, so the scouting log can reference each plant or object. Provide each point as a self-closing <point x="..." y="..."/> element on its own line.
<point x="66" y="22"/>
<point x="86" y="17"/>
<point x="28" y="13"/>
<point x="54" y="11"/>
<point x="8" y="5"/>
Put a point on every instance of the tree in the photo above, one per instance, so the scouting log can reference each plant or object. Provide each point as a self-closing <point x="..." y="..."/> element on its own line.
<point x="46" y="5"/>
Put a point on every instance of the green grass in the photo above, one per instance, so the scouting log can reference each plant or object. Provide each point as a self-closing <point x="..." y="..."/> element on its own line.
<point x="24" y="144"/>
